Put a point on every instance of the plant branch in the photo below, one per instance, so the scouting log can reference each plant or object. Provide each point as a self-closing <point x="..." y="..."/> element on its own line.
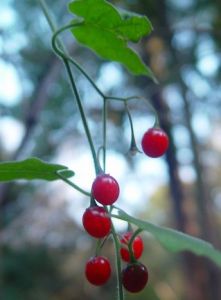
<point x="157" y="122"/>
<point x="130" y="244"/>
<point x="133" y="145"/>
<point x="118" y="264"/>
<point x="75" y="186"/>
<point x="49" y="18"/>
<point x="61" y="53"/>
<point x="83" y="117"/>
<point x="104" y="121"/>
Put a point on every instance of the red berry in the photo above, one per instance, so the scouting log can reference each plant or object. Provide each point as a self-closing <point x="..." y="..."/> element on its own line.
<point x="96" y="221"/>
<point x="134" y="277"/>
<point x="98" y="270"/>
<point x="137" y="246"/>
<point x="155" y="142"/>
<point x="105" y="189"/>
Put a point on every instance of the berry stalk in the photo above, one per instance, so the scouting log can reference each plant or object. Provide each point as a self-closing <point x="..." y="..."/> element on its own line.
<point x="118" y="264"/>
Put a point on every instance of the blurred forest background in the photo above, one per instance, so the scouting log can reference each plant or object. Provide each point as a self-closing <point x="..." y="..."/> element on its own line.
<point x="43" y="246"/>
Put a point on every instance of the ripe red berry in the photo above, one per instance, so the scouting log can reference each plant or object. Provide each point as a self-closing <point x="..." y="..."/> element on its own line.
<point x="98" y="270"/>
<point x="134" y="277"/>
<point x="137" y="246"/>
<point x="105" y="189"/>
<point x="96" y="221"/>
<point x="155" y="142"/>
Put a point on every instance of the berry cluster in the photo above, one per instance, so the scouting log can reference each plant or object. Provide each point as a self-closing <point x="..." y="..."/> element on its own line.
<point x="135" y="274"/>
<point x="97" y="222"/>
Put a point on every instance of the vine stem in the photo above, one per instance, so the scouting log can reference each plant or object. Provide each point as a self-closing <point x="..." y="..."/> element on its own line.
<point x="157" y="122"/>
<point x="130" y="244"/>
<point x="104" y="121"/>
<point x="105" y="97"/>
<point x="133" y="145"/>
<point x="49" y="18"/>
<point x="60" y="52"/>
<point x="75" y="186"/>
<point x="73" y="85"/>
<point x="83" y="117"/>
<point x="66" y="61"/>
<point x="118" y="264"/>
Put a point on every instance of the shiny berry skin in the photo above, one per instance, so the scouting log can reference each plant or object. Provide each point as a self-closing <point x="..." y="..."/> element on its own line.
<point x="155" y="142"/>
<point x="134" y="277"/>
<point x="98" y="270"/>
<point x="105" y="189"/>
<point x="96" y="221"/>
<point x="137" y="246"/>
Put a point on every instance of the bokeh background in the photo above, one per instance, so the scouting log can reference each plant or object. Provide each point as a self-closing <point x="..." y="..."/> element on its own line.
<point x="43" y="247"/>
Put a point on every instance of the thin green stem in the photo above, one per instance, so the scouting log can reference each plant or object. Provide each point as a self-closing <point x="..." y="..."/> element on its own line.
<point x="87" y="76"/>
<point x="118" y="264"/>
<point x="98" y="247"/>
<point x="104" y="121"/>
<point x="92" y="201"/>
<point x="129" y="227"/>
<point x="47" y="15"/>
<point x="133" y="145"/>
<point x="157" y="122"/>
<point x="138" y="231"/>
<point x="83" y="117"/>
<point x="50" y="20"/>
<point x="100" y="244"/>
<point x="73" y="85"/>
<point x="130" y="121"/>
<point x="122" y="98"/>
<point x="76" y="187"/>
<point x="133" y="259"/>
<point x="60" y="52"/>
<point x="99" y="152"/>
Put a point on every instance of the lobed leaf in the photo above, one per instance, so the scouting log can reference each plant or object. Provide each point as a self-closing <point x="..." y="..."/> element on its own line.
<point x="107" y="31"/>
<point x="174" y="240"/>
<point x="32" y="168"/>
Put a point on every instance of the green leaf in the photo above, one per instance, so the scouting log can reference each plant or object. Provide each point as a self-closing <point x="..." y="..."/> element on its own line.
<point x="32" y="168"/>
<point x="134" y="25"/>
<point x="174" y="240"/>
<point x="107" y="31"/>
